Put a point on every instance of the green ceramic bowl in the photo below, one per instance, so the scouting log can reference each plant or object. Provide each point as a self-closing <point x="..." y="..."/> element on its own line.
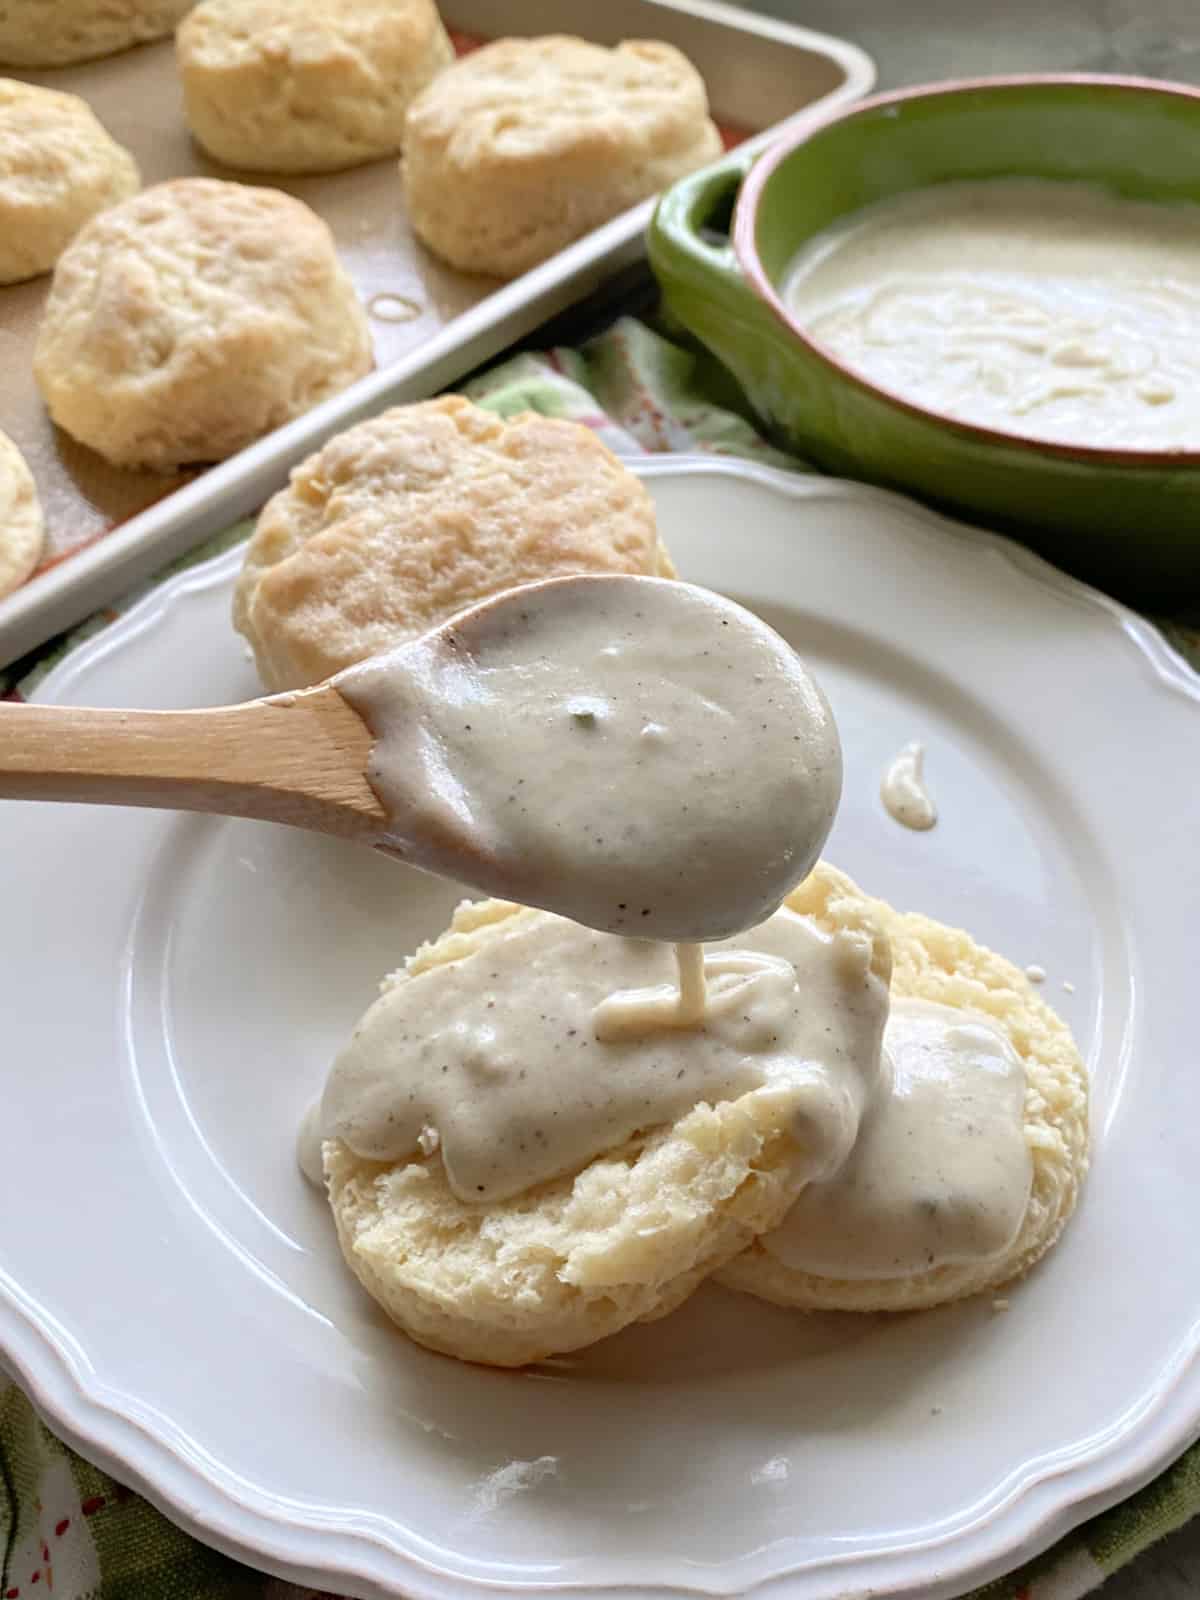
<point x="722" y="240"/>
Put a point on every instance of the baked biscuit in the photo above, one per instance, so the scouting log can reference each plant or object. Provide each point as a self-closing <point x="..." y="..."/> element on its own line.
<point x="54" y="33"/>
<point x="22" y="529"/>
<point x="58" y="168"/>
<point x="626" y="1239"/>
<point x="527" y="144"/>
<point x="412" y="516"/>
<point x="187" y="322"/>
<point x="934" y="962"/>
<point x="306" y="85"/>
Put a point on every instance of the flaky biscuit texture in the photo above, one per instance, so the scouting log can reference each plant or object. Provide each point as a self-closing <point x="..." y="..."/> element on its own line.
<point x="296" y="86"/>
<point x="55" y="33"/>
<point x="192" y="319"/>
<point x="58" y="168"/>
<point x="406" y="519"/>
<point x="527" y="144"/>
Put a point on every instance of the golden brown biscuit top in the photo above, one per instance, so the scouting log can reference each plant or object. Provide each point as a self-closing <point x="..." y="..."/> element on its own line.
<point x="410" y="517"/>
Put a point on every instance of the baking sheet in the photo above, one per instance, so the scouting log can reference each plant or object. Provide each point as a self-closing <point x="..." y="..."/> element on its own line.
<point x="408" y="294"/>
<point x="106" y="526"/>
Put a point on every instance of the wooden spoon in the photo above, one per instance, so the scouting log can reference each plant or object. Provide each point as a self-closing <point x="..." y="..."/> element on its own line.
<point x="299" y="758"/>
<point x="295" y="758"/>
<point x="311" y="760"/>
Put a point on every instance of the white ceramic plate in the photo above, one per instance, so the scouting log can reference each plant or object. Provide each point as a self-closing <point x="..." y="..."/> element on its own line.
<point x="173" y="989"/>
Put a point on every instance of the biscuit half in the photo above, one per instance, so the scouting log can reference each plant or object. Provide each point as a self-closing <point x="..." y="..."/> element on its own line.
<point x="945" y="965"/>
<point x="626" y="1239"/>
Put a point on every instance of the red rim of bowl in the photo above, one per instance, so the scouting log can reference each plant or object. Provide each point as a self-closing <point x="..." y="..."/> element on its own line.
<point x="745" y="246"/>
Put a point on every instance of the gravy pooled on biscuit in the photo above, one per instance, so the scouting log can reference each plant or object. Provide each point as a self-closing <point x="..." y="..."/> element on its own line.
<point x="550" y="1045"/>
<point x="636" y="754"/>
<point x="941" y="1169"/>
<point x="513" y="1058"/>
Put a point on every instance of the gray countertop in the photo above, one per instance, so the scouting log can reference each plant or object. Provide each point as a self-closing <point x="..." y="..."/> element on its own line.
<point x="916" y="41"/>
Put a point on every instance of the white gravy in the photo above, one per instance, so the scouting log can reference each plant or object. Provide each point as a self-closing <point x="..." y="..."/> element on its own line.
<point x="941" y="1170"/>
<point x="1055" y="310"/>
<point x="554" y="1044"/>
<point x="637" y="754"/>
<point x="903" y="792"/>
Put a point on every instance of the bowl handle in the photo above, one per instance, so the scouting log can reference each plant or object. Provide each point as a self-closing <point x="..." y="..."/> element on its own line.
<point x="689" y="245"/>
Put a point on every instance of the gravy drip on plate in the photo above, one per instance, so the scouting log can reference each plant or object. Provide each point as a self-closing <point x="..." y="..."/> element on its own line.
<point x="940" y="1171"/>
<point x="637" y="754"/>
<point x="1055" y="310"/>
<point x="554" y="1044"/>
<point x="905" y="797"/>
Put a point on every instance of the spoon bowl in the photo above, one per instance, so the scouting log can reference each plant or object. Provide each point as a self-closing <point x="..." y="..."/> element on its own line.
<point x="636" y="753"/>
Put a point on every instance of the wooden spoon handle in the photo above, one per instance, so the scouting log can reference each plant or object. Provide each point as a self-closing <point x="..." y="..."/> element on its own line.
<point x="298" y="759"/>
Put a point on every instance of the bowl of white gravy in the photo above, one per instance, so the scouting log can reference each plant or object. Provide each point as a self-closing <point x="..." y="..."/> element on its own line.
<point x="986" y="294"/>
